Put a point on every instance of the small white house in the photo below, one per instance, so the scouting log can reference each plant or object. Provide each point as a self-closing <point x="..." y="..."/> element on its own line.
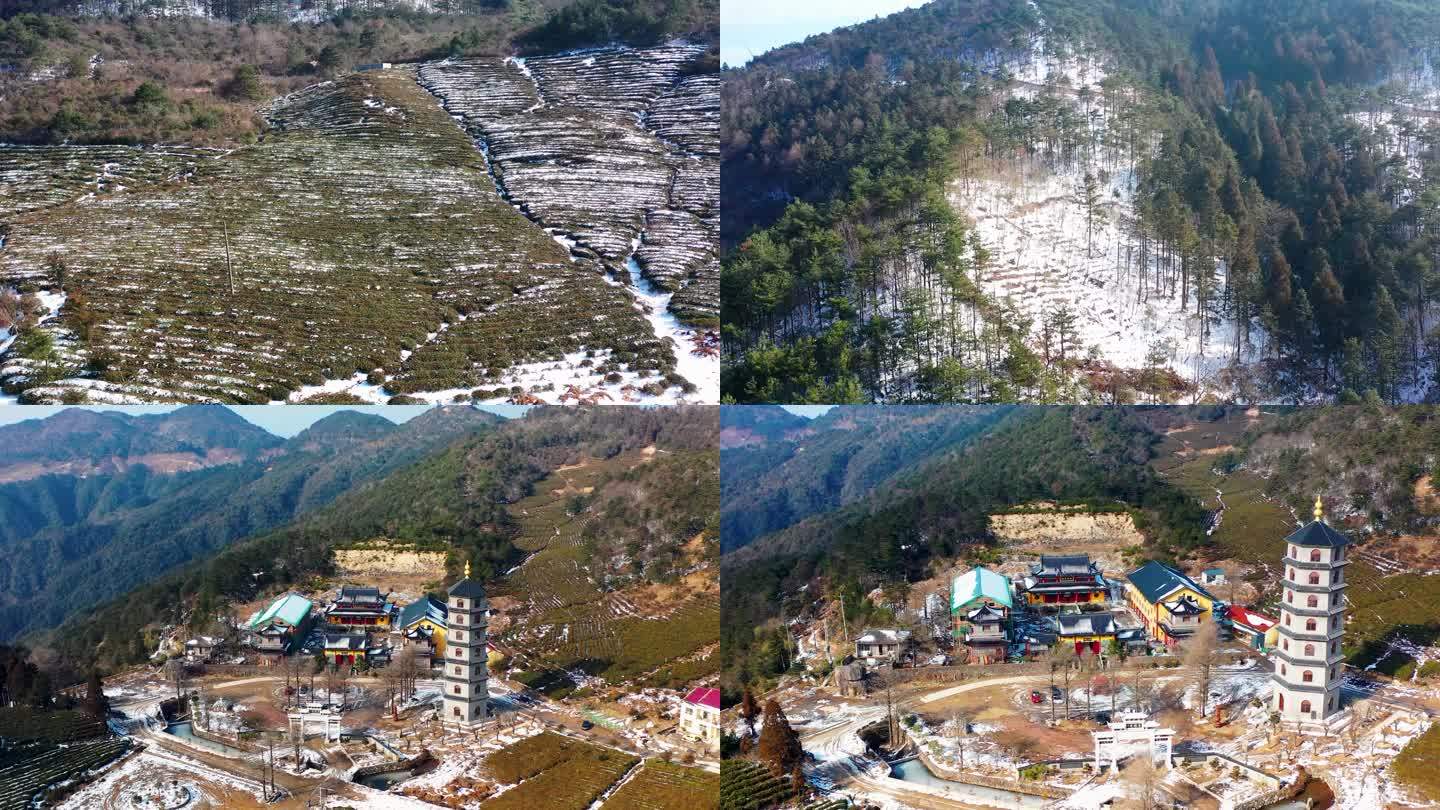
<point x="883" y="646"/>
<point x="201" y="648"/>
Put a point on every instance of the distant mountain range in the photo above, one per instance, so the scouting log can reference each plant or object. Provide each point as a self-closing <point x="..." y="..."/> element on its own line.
<point x="779" y="469"/>
<point x="97" y="502"/>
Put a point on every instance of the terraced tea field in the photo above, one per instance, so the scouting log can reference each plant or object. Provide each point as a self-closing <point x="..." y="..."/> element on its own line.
<point x="569" y="622"/>
<point x="20" y="782"/>
<point x="663" y="785"/>
<point x="363" y="250"/>
<point x="1384" y="599"/>
<point x="559" y="773"/>
<point x="615" y="149"/>
<point x="748" y="785"/>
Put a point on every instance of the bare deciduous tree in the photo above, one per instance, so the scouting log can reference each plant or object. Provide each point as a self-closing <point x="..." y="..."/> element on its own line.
<point x="1060" y="658"/>
<point x="1200" y="659"/>
<point x="1142" y="780"/>
<point x="175" y="671"/>
<point x="294" y="668"/>
<point x="335" y="681"/>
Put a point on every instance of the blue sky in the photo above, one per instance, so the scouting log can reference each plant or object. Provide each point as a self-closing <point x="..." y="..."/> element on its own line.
<point x="751" y="27"/>
<point x="807" y="411"/>
<point x="282" y="420"/>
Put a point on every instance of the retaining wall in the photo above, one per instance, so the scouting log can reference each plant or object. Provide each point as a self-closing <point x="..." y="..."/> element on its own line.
<point x="1016" y="786"/>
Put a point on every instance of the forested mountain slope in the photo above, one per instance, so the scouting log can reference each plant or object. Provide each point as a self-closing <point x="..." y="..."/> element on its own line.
<point x="455" y="494"/>
<point x="839" y="457"/>
<point x="1111" y="199"/>
<point x="935" y="509"/>
<point x="71" y="541"/>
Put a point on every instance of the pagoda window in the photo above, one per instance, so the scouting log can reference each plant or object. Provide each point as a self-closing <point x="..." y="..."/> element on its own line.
<point x="1305" y="707"/>
<point x="1314" y="555"/>
<point x="1309" y="650"/>
<point x="460" y="603"/>
<point x="1310" y="625"/>
<point x="1314" y="577"/>
<point x="1307" y="676"/>
<point x="1312" y="601"/>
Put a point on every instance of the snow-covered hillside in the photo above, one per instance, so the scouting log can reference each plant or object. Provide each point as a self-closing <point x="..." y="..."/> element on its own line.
<point x="1047" y="253"/>
<point x="294" y="10"/>
<point x="370" y="249"/>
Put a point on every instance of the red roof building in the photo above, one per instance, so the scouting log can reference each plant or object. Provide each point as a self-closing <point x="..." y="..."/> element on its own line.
<point x="700" y="716"/>
<point x="704" y="696"/>
<point x="1255" y="629"/>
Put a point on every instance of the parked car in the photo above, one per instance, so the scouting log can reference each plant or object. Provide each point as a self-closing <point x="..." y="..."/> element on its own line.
<point x="1102" y="717"/>
<point x="1035" y="696"/>
<point x="586" y="724"/>
<point x="1057" y="695"/>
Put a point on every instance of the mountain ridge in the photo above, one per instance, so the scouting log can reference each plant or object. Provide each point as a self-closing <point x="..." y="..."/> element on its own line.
<point x="70" y="537"/>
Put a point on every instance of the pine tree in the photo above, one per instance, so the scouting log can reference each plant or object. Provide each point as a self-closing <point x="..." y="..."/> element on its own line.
<point x="749" y="709"/>
<point x="1278" y="283"/>
<point x="1061" y="327"/>
<point x="1093" y="202"/>
<point x="779" y="744"/>
<point x="95" y="702"/>
<point x="1389" y="338"/>
<point x="1328" y="298"/>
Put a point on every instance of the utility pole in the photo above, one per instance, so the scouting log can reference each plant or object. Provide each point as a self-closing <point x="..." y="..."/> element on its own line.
<point x="889" y="716"/>
<point x="829" y="651"/>
<point x="844" y="623"/>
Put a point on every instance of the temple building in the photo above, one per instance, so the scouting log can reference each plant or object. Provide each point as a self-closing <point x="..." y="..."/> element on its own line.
<point x="1172" y="605"/>
<point x="422" y="623"/>
<point x="1069" y="579"/>
<point x="980" y="605"/>
<point x="281" y="625"/>
<point x="466" y="670"/>
<point x="345" y="649"/>
<point x="1305" y="687"/>
<point x="1089" y="632"/>
<point x="359" y="607"/>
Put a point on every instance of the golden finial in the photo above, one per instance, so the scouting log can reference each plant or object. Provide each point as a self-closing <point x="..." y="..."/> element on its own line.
<point x="467" y="562"/>
<point x="1319" y="509"/>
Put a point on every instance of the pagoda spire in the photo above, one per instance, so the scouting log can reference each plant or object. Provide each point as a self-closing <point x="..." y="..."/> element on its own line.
<point x="467" y="562"/>
<point x="1319" y="512"/>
